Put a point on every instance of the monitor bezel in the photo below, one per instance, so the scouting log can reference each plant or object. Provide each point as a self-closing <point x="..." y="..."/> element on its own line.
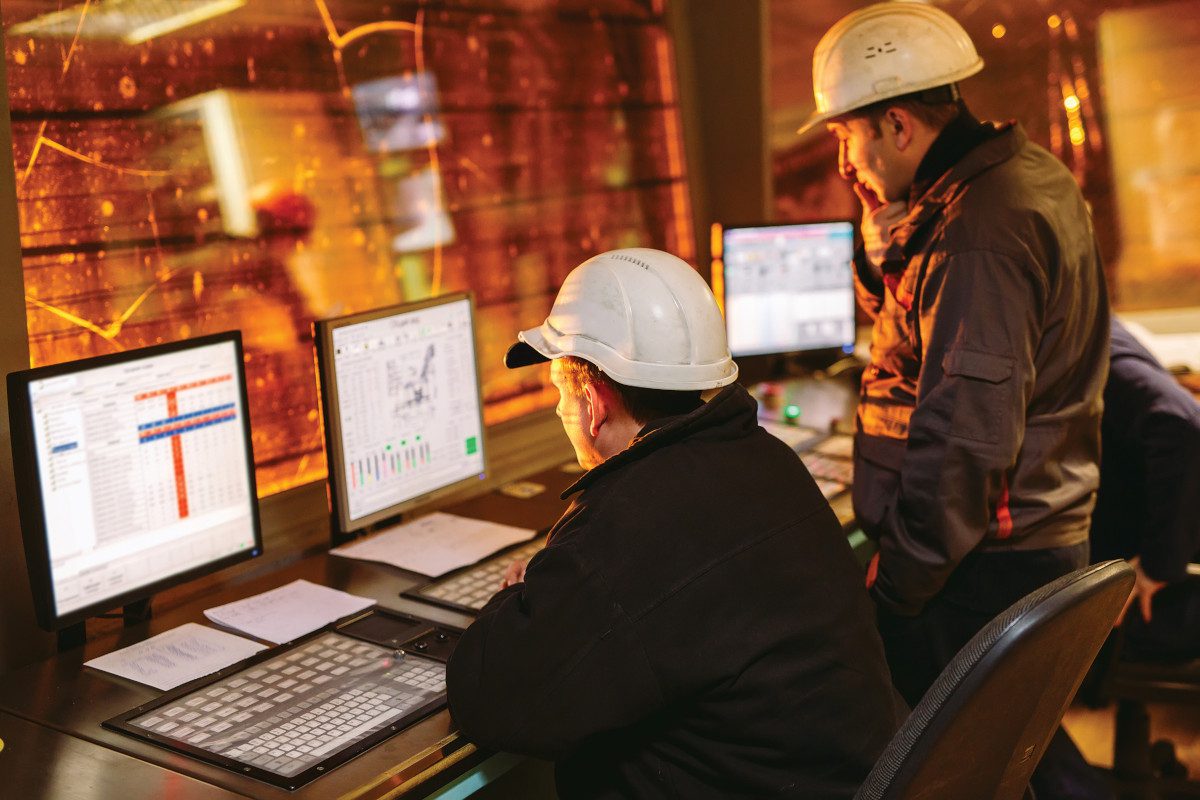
<point x="331" y="415"/>
<point x="31" y="508"/>
<point x="827" y="350"/>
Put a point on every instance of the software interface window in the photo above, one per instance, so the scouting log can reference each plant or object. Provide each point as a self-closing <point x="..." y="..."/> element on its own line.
<point x="789" y="288"/>
<point x="133" y="465"/>
<point x="408" y="407"/>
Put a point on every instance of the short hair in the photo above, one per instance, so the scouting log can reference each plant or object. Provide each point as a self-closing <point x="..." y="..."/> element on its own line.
<point x="644" y="405"/>
<point x="933" y="107"/>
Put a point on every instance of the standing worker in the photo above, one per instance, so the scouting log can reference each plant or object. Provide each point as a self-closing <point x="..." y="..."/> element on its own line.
<point x="978" y="427"/>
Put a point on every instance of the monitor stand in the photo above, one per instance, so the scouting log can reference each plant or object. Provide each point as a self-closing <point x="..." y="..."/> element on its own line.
<point x="75" y="635"/>
<point x="337" y="537"/>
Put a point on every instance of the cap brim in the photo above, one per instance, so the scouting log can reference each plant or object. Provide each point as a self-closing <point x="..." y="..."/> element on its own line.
<point x="522" y="355"/>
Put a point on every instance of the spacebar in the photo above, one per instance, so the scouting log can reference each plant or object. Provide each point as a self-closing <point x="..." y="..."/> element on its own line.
<point x="351" y="734"/>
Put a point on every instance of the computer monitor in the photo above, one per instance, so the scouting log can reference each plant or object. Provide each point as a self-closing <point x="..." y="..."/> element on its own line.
<point x="787" y="288"/>
<point x="403" y="414"/>
<point x="134" y="473"/>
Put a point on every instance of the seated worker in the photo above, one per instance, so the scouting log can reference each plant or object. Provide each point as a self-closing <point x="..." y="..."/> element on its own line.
<point x="1148" y="504"/>
<point x="696" y="626"/>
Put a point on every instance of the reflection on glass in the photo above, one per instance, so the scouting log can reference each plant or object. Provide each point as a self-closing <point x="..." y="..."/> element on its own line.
<point x="188" y="166"/>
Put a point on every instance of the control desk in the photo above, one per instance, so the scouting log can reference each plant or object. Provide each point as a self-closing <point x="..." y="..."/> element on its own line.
<point x="51" y="712"/>
<point x="57" y="706"/>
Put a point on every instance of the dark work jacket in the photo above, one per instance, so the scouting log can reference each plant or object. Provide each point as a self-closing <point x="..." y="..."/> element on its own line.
<point x="979" y="415"/>
<point x="1149" y="499"/>
<point x="697" y="627"/>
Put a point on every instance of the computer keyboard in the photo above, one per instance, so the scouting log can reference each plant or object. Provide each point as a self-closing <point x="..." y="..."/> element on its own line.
<point x="839" y="444"/>
<point x="827" y="457"/>
<point x="283" y="719"/>
<point x="829" y="468"/>
<point x="471" y="587"/>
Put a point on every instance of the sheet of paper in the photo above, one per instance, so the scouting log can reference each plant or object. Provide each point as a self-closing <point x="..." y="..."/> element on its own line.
<point x="180" y="655"/>
<point x="436" y="543"/>
<point x="1174" y="349"/>
<point x="288" y="612"/>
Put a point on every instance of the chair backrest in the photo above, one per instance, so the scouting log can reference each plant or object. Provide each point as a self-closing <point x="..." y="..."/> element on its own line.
<point x="983" y="726"/>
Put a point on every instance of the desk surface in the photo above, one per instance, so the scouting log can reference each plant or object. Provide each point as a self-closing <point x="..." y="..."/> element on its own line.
<point x="58" y="704"/>
<point x="55" y="707"/>
<point x="37" y="763"/>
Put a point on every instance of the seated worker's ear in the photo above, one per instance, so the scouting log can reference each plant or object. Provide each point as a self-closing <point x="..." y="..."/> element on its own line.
<point x="599" y="407"/>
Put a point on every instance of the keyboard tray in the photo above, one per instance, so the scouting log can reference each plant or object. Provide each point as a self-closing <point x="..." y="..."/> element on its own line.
<point x="468" y="589"/>
<point x="291" y="714"/>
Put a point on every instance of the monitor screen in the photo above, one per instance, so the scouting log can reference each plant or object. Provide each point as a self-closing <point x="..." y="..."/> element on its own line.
<point x="135" y="473"/>
<point x="789" y="288"/>
<point x="403" y="414"/>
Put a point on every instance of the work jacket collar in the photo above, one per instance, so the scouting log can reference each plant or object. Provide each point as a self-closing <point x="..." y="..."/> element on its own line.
<point x="733" y="408"/>
<point x="1006" y="141"/>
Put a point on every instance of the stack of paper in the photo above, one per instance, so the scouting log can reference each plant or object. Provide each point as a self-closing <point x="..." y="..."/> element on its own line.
<point x="288" y="612"/>
<point x="180" y="655"/>
<point x="436" y="543"/>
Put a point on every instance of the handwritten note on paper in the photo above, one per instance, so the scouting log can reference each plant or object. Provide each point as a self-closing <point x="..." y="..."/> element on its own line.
<point x="288" y="612"/>
<point x="436" y="543"/>
<point x="180" y="655"/>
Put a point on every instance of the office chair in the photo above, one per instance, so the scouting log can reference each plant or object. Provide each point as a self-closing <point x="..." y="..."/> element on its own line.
<point x="983" y="726"/>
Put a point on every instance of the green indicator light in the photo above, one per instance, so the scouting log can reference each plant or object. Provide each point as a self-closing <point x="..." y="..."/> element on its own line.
<point x="418" y="438"/>
<point x="403" y="442"/>
<point x="791" y="411"/>
<point x="472" y="445"/>
<point x="389" y="447"/>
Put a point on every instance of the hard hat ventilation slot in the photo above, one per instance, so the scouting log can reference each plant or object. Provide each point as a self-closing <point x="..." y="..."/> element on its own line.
<point x="878" y="50"/>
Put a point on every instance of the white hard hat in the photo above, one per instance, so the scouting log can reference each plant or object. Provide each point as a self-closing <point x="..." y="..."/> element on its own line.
<point x="886" y="50"/>
<point x="643" y="316"/>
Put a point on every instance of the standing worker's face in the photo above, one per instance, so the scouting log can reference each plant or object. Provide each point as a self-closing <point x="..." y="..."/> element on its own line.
<point x="576" y="415"/>
<point x="872" y="157"/>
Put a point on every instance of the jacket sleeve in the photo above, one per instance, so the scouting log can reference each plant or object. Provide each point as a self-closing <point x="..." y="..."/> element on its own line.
<point x="1164" y="445"/>
<point x="979" y="327"/>
<point x="868" y="283"/>
<point x="550" y="662"/>
<point x="1171" y="531"/>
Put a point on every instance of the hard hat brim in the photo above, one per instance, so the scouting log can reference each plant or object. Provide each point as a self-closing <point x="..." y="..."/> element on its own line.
<point x="521" y="354"/>
<point x="817" y="117"/>
<point x="813" y="121"/>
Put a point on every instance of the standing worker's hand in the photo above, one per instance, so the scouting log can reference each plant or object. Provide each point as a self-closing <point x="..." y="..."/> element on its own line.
<point x="1144" y="589"/>
<point x="877" y="221"/>
<point x="514" y="574"/>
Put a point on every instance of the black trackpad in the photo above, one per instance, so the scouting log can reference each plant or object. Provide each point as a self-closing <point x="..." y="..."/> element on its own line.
<point x="386" y="628"/>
